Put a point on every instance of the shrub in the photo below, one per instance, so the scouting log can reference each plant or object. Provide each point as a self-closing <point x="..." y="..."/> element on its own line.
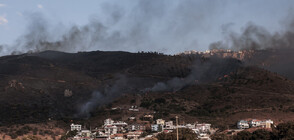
<point x="184" y="134"/>
<point x="146" y="103"/>
<point x="160" y="101"/>
<point x="13" y="135"/>
<point x="35" y="131"/>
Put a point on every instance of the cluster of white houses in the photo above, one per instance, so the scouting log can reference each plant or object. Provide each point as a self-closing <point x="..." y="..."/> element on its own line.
<point x="250" y="123"/>
<point x="122" y="131"/>
<point x="168" y="126"/>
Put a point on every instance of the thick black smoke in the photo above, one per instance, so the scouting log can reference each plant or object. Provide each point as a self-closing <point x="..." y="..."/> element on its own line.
<point x="148" y="25"/>
<point x="254" y="37"/>
<point x="273" y="51"/>
<point x="101" y="98"/>
<point x="202" y="71"/>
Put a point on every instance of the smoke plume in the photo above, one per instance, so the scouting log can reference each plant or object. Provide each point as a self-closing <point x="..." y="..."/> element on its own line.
<point x="254" y="37"/>
<point x="163" y="26"/>
<point x="273" y="51"/>
<point x="202" y="71"/>
<point x="101" y="98"/>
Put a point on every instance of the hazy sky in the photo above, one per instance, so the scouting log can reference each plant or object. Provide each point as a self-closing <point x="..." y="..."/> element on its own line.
<point x="168" y="26"/>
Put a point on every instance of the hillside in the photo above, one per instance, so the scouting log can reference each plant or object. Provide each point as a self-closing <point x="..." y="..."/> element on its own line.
<point x="56" y="85"/>
<point x="33" y="85"/>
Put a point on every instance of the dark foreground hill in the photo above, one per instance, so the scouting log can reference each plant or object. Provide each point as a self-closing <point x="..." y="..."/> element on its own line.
<point x="63" y="86"/>
<point x="35" y="87"/>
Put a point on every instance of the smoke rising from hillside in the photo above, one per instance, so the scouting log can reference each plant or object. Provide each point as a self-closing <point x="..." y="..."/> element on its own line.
<point x="202" y="71"/>
<point x="99" y="98"/>
<point x="274" y="51"/>
<point x="164" y="26"/>
<point x="257" y="38"/>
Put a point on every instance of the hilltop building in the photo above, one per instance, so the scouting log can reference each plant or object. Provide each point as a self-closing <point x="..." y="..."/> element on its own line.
<point x="242" y="124"/>
<point x="75" y="127"/>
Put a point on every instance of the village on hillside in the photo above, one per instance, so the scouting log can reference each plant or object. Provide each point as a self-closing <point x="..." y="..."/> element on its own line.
<point x="149" y="129"/>
<point x="120" y="130"/>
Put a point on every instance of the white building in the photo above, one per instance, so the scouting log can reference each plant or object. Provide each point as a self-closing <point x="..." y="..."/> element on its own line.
<point x="169" y="125"/>
<point x="242" y="124"/>
<point x="260" y="123"/>
<point x="132" y="118"/>
<point x="77" y="127"/>
<point x="190" y="126"/>
<point x="108" y="121"/>
<point x="134" y="108"/>
<point x="120" y="123"/>
<point x="202" y="128"/>
<point x="83" y="135"/>
<point x="110" y="129"/>
<point x="160" y="121"/>
<point x="156" y="127"/>
<point x="266" y="123"/>
<point x="254" y="123"/>
<point x="135" y="127"/>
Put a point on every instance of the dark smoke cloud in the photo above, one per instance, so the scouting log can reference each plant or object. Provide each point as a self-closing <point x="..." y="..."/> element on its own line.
<point x="273" y="51"/>
<point x="202" y="71"/>
<point x="152" y="25"/>
<point x="101" y="98"/>
<point x="95" y="100"/>
<point x="254" y="37"/>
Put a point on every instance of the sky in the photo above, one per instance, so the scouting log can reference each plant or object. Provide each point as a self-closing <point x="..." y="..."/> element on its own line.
<point x="168" y="26"/>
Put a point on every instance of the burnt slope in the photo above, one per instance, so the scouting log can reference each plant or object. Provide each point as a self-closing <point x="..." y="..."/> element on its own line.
<point x="33" y="86"/>
<point x="38" y="86"/>
<point x="250" y="92"/>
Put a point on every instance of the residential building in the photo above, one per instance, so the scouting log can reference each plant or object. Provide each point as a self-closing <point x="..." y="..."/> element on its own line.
<point x="266" y="123"/>
<point x="110" y="129"/>
<point x="203" y="128"/>
<point x="75" y="127"/>
<point x="254" y="123"/>
<point x="134" y="108"/>
<point x="135" y="127"/>
<point x="160" y="121"/>
<point x="84" y="135"/>
<point x="120" y="123"/>
<point x="132" y="118"/>
<point x="169" y="125"/>
<point x="242" y="124"/>
<point x="156" y="127"/>
<point x="190" y="126"/>
<point x="108" y="121"/>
